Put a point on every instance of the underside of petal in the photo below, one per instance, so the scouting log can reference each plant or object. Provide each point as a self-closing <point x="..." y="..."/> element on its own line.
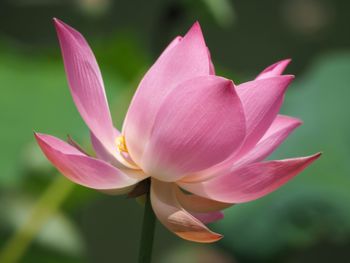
<point x="210" y="217"/>
<point x="199" y="204"/>
<point x="280" y="129"/>
<point x="250" y="182"/>
<point x="175" y="218"/>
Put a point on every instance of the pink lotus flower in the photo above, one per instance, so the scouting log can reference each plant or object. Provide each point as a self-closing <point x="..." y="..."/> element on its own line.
<point x="186" y="129"/>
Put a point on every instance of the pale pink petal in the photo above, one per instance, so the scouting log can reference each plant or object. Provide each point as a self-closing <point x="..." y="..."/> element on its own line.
<point x="251" y="181"/>
<point x="274" y="70"/>
<point x="185" y="58"/>
<point x="76" y="145"/>
<point x="261" y="100"/>
<point x="86" y="84"/>
<point x="281" y="127"/>
<point x="175" y="218"/>
<point x="198" y="204"/>
<point x="82" y="169"/>
<point x="100" y="150"/>
<point x="118" y="159"/>
<point x="207" y="218"/>
<point x="200" y="124"/>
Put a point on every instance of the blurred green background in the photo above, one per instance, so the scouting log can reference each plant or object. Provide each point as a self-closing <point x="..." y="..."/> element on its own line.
<point x="44" y="218"/>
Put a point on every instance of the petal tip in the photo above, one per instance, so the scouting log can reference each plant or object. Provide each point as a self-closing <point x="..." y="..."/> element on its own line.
<point x="317" y="155"/>
<point x="37" y="135"/>
<point x="41" y="139"/>
<point x="275" y="69"/>
<point x="56" y="20"/>
<point x="196" y="31"/>
<point x="224" y="82"/>
<point x="286" y="79"/>
<point x="216" y="237"/>
<point x="196" y="25"/>
<point x="63" y="29"/>
<point x="289" y="76"/>
<point x="297" y="122"/>
<point x="59" y="24"/>
<point x="308" y="160"/>
<point x="227" y="83"/>
<point x="208" y="238"/>
<point x="284" y="62"/>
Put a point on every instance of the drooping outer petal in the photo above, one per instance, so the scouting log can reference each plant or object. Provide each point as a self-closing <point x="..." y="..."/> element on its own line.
<point x="200" y="124"/>
<point x="186" y="58"/>
<point x="206" y="210"/>
<point x="82" y="169"/>
<point x="261" y="100"/>
<point x="197" y="203"/>
<point x="175" y="218"/>
<point x="251" y="181"/>
<point x="86" y="84"/>
<point x="274" y="70"/>
<point x="209" y="217"/>
<point x="281" y="127"/>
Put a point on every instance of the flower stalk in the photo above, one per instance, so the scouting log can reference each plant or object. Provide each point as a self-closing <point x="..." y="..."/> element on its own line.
<point x="147" y="235"/>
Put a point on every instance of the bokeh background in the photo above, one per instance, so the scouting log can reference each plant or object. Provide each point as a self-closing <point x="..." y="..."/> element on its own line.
<point x="45" y="218"/>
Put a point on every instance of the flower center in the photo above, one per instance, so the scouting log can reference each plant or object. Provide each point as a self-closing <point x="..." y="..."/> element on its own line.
<point x="121" y="144"/>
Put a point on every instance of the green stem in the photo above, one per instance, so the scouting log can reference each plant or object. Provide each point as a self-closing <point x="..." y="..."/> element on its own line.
<point x="148" y="226"/>
<point x="46" y="206"/>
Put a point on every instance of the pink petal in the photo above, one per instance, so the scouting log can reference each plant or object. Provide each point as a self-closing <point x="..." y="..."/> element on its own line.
<point x="250" y="182"/>
<point x="184" y="59"/>
<point x="274" y="70"/>
<point x="86" y="84"/>
<point x="261" y="100"/>
<point x="200" y="124"/>
<point x="211" y="64"/>
<point x="82" y="169"/>
<point x="207" y="218"/>
<point x="175" y="218"/>
<point x="281" y="127"/>
<point x="170" y="46"/>
<point x="198" y="204"/>
<point x="101" y="151"/>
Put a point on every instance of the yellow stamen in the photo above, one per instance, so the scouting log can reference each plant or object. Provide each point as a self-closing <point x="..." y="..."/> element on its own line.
<point x="121" y="144"/>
